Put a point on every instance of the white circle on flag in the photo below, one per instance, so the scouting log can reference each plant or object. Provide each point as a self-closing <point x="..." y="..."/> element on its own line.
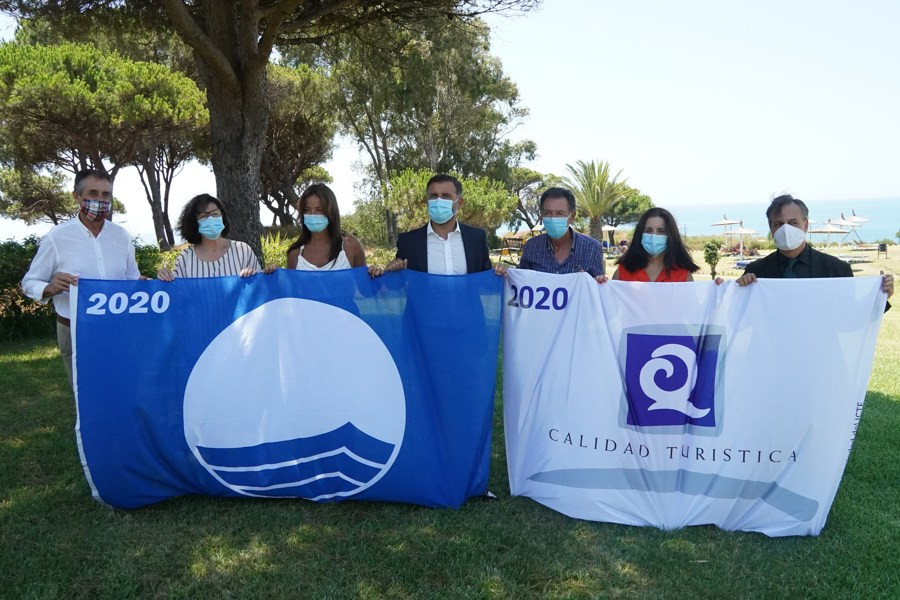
<point x="295" y="398"/>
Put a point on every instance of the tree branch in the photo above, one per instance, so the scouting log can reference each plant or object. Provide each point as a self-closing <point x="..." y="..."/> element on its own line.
<point x="191" y="33"/>
<point x="274" y="19"/>
<point x="248" y="33"/>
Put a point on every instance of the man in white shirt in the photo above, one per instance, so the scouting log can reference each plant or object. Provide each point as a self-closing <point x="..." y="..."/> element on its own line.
<point x="87" y="246"/>
<point x="443" y="245"/>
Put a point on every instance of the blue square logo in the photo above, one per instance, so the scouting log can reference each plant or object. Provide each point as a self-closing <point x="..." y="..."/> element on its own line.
<point x="670" y="379"/>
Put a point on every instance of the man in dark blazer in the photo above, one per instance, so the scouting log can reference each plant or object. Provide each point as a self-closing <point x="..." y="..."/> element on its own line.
<point x="443" y="245"/>
<point x="788" y="221"/>
<point x="447" y="247"/>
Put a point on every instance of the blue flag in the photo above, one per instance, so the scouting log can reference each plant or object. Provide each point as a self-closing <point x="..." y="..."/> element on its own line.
<point x="325" y="386"/>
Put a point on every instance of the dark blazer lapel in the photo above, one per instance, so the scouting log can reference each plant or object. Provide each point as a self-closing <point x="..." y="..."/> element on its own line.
<point x="467" y="246"/>
<point x="422" y="246"/>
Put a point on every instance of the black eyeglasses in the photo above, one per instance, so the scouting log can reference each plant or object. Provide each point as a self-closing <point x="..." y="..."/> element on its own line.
<point x="205" y="215"/>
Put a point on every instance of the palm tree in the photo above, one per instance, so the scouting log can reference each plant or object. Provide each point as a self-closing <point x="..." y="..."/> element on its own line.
<point x="596" y="193"/>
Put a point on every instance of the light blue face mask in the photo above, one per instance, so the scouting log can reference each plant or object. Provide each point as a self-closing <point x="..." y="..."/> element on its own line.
<point x="440" y="210"/>
<point x="211" y="227"/>
<point x="315" y="223"/>
<point x="556" y="226"/>
<point x="654" y="244"/>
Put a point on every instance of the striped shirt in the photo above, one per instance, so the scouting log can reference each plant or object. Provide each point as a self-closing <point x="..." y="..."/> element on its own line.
<point x="586" y="255"/>
<point x="238" y="257"/>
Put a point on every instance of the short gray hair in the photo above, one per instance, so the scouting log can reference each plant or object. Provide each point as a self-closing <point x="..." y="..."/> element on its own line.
<point x="82" y="175"/>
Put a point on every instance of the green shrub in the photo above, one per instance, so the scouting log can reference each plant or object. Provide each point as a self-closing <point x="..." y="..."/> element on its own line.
<point x="20" y="316"/>
<point x="150" y="259"/>
<point x="379" y="255"/>
<point x="697" y="243"/>
<point x="275" y="246"/>
<point x="367" y="223"/>
<point x="711" y="256"/>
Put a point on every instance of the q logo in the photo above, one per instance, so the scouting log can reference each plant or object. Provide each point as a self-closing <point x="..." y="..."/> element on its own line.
<point x="670" y="378"/>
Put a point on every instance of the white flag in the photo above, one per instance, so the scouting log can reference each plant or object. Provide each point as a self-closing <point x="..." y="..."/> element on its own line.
<point x="675" y="404"/>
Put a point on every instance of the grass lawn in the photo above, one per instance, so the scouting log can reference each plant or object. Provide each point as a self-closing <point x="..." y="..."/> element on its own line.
<point x="55" y="542"/>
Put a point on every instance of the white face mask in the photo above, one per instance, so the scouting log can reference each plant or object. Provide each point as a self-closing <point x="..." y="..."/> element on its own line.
<point x="787" y="237"/>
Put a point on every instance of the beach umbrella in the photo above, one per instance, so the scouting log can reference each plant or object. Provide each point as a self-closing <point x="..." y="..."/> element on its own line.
<point x="842" y="222"/>
<point x="726" y="223"/>
<point x="811" y="222"/>
<point x="741" y="231"/>
<point x="608" y="228"/>
<point x="857" y="222"/>
<point x="827" y="229"/>
<point x="855" y="218"/>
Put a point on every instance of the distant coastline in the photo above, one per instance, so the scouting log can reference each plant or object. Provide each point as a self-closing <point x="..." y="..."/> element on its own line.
<point x="883" y="215"/>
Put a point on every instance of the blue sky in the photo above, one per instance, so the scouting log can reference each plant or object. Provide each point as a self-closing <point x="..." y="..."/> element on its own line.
<point x="698" y="101"/>
<point x="714" y="101"/>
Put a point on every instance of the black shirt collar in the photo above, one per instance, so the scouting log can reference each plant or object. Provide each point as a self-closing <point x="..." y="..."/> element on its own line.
<point x="804" y="257"/>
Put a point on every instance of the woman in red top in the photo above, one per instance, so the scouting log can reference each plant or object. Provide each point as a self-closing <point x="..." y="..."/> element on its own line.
<point x="656" y="252"/>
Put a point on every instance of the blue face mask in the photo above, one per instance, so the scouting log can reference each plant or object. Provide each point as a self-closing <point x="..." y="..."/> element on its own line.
<point x="556" y="226"/>
<point x="654" y="244"/>
<point x="440" y="210"/>
<point x="315" y="223"/>
<point x="211" y="227"/>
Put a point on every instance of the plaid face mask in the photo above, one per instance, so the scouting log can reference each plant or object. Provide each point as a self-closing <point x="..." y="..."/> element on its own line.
<point x="95" y="209"/>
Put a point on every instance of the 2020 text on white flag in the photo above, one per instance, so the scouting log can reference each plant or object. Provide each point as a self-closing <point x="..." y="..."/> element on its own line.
<point x="677" y="404"/>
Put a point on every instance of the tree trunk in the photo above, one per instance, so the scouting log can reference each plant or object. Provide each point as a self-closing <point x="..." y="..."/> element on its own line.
<point x="170" y="234"/>
<point x="168" y="175"/>
<point x="390" y="219"/>
<point x="284" y="196"/>
<point x="523" y="214"/>
<point x="152" y="189"/>
<point x="238" y="135"/>
<point x="595" y="229"/>
<point x="277" y="205"/>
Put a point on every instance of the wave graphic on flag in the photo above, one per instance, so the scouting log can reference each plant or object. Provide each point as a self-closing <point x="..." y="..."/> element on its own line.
<point x="332" y="464"/>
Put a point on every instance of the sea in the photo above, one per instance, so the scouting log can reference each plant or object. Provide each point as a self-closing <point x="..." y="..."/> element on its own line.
<point x="883" y="216"/>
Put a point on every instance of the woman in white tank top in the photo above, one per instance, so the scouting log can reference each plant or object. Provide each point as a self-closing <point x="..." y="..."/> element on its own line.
<point x="321" y="246"/>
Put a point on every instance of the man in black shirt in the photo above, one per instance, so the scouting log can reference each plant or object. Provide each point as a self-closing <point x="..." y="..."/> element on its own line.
<point x="788" y="221"/>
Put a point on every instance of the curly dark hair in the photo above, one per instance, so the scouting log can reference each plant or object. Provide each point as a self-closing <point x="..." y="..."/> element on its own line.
<point x="187" y="222"/>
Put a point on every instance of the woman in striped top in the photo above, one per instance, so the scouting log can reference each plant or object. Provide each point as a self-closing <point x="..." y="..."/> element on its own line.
<point x="204" y="224"/>
<point x="322" y="246"/>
